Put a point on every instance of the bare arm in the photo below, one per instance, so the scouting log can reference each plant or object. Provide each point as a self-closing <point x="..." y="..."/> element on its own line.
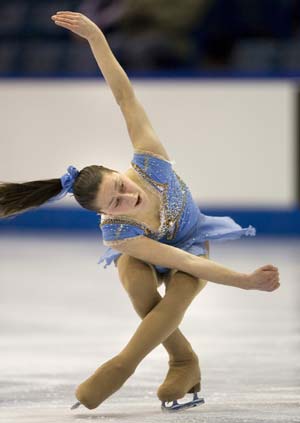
<point x="112" y="71"/>
<point x="164" y="255"/>
<point x="140" y="130"/>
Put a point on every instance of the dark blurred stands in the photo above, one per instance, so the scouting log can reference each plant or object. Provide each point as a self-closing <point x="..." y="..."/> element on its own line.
<point x="250" y="35"/>
<point x="153" y="35"/>
<point x="30" y="43"/>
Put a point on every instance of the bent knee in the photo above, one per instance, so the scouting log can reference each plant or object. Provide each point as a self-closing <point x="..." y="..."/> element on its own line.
<point x="128" y="264"/>
<point x="194" y="285"/>
<point x="185" y="280"/>
<point x="135" y="273"/>
<point x="188" y="284"/>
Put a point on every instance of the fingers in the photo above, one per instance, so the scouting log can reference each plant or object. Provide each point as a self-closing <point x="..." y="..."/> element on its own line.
<point x="64" y="20"/>
<point x="269" y="267"/>
<point x="273" y="283"/>
<point x="270" y="278"/>
<point x="67" y="12"/>
<point x="274" y="287"/>
<point x="67" y="15"/>
<point x="266" y="278"/>
<point x="269" y="287"/>
<point x="64" y="24"/>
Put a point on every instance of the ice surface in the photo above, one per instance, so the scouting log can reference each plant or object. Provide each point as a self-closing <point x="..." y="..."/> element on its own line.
<point x="62" y="315"/>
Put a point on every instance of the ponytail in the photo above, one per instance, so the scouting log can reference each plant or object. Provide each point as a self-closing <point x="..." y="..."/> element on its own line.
<point x="18" y="197"/>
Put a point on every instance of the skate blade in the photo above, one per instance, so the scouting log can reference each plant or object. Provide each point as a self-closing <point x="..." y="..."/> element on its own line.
<point x="180" y="407"/>
<point x="76" y="405"/>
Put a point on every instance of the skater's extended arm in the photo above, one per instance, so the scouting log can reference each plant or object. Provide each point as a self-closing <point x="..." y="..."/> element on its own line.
<point x="139" y="127"/>
<point x="265" y="278"/>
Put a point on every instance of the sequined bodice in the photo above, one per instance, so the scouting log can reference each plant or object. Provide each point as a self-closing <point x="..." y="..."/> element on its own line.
<point x="178" y="212"/>
<point x="173" y="199"/>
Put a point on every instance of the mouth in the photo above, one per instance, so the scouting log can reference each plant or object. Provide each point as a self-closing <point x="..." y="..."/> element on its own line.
<point x="138" y="201"/>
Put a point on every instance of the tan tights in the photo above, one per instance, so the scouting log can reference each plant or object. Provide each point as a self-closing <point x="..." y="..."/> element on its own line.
<point x="162" y="317"/>
<point x="140" y="282"/>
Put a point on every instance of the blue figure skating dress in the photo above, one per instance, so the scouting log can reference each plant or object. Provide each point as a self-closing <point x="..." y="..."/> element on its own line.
<point x="182" y="224"/>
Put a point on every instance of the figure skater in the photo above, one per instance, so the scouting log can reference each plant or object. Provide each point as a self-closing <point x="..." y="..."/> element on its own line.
<point x="154" y="232"/>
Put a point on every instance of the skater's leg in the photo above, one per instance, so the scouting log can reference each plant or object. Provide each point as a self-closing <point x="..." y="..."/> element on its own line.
<point x="164" y="318"/>
<point x="159" y="323"/>
<point x="140" y="282"/>
<point x="184" y="373"/>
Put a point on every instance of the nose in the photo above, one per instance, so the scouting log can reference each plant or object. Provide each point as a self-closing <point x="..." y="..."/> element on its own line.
<point x="132" y="198"/>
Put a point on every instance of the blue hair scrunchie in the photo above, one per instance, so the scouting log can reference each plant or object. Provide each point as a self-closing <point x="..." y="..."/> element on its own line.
<point x="67" y="181"/>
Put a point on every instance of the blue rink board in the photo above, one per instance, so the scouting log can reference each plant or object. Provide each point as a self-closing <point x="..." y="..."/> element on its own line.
<point x="267" y="221"/>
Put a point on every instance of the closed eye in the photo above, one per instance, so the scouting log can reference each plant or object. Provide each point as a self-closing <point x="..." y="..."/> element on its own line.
<point x="122" y="188"/>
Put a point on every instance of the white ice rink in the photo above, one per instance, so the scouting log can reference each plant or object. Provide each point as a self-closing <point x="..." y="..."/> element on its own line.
<point x="62" y="316"/>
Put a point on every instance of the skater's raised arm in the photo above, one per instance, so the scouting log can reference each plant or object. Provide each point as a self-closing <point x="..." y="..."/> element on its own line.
<point x="139" y="127"/>
<point x="265" y="278"/>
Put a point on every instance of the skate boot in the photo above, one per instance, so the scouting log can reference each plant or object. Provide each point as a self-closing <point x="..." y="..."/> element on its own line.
<point x="106" y="380"/>
<point x="183" y="377"/>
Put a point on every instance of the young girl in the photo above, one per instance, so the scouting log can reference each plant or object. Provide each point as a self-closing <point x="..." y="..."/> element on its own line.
<point x="155" y="233"/>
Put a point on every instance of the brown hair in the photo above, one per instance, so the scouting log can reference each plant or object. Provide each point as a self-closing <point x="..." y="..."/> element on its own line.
<point x="16" y="198"/>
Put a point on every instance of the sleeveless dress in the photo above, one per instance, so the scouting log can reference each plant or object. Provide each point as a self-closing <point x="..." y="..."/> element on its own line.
<point x="182" y="224"/>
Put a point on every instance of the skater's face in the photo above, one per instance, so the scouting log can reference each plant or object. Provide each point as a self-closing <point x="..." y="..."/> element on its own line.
<point x="120" y="195"/>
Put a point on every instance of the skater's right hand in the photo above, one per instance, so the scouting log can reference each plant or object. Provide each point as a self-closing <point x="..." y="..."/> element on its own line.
<point x="265" y="278"/>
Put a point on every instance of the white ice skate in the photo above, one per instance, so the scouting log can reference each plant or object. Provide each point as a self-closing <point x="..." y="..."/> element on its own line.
<point x="176" y="406"/>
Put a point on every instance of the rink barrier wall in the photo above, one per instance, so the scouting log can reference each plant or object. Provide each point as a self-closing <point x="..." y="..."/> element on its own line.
<point x="241" y="133"/>
<point x="267" y="221"/>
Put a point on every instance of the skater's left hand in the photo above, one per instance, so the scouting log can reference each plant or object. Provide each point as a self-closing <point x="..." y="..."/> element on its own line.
<point x="76" y="22"/>
<point x="266" y="278"/>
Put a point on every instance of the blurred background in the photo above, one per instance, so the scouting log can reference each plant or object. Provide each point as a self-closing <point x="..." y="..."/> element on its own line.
<point x="155" y="35"/>
<point x="233" y="65"/>
<point x="219" y="80"/>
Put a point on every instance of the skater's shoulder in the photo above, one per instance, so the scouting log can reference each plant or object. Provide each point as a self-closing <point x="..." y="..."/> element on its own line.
<point x="153" y="167"/>
<point x="118" y="229"/>
<point x="157" y="154"/>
